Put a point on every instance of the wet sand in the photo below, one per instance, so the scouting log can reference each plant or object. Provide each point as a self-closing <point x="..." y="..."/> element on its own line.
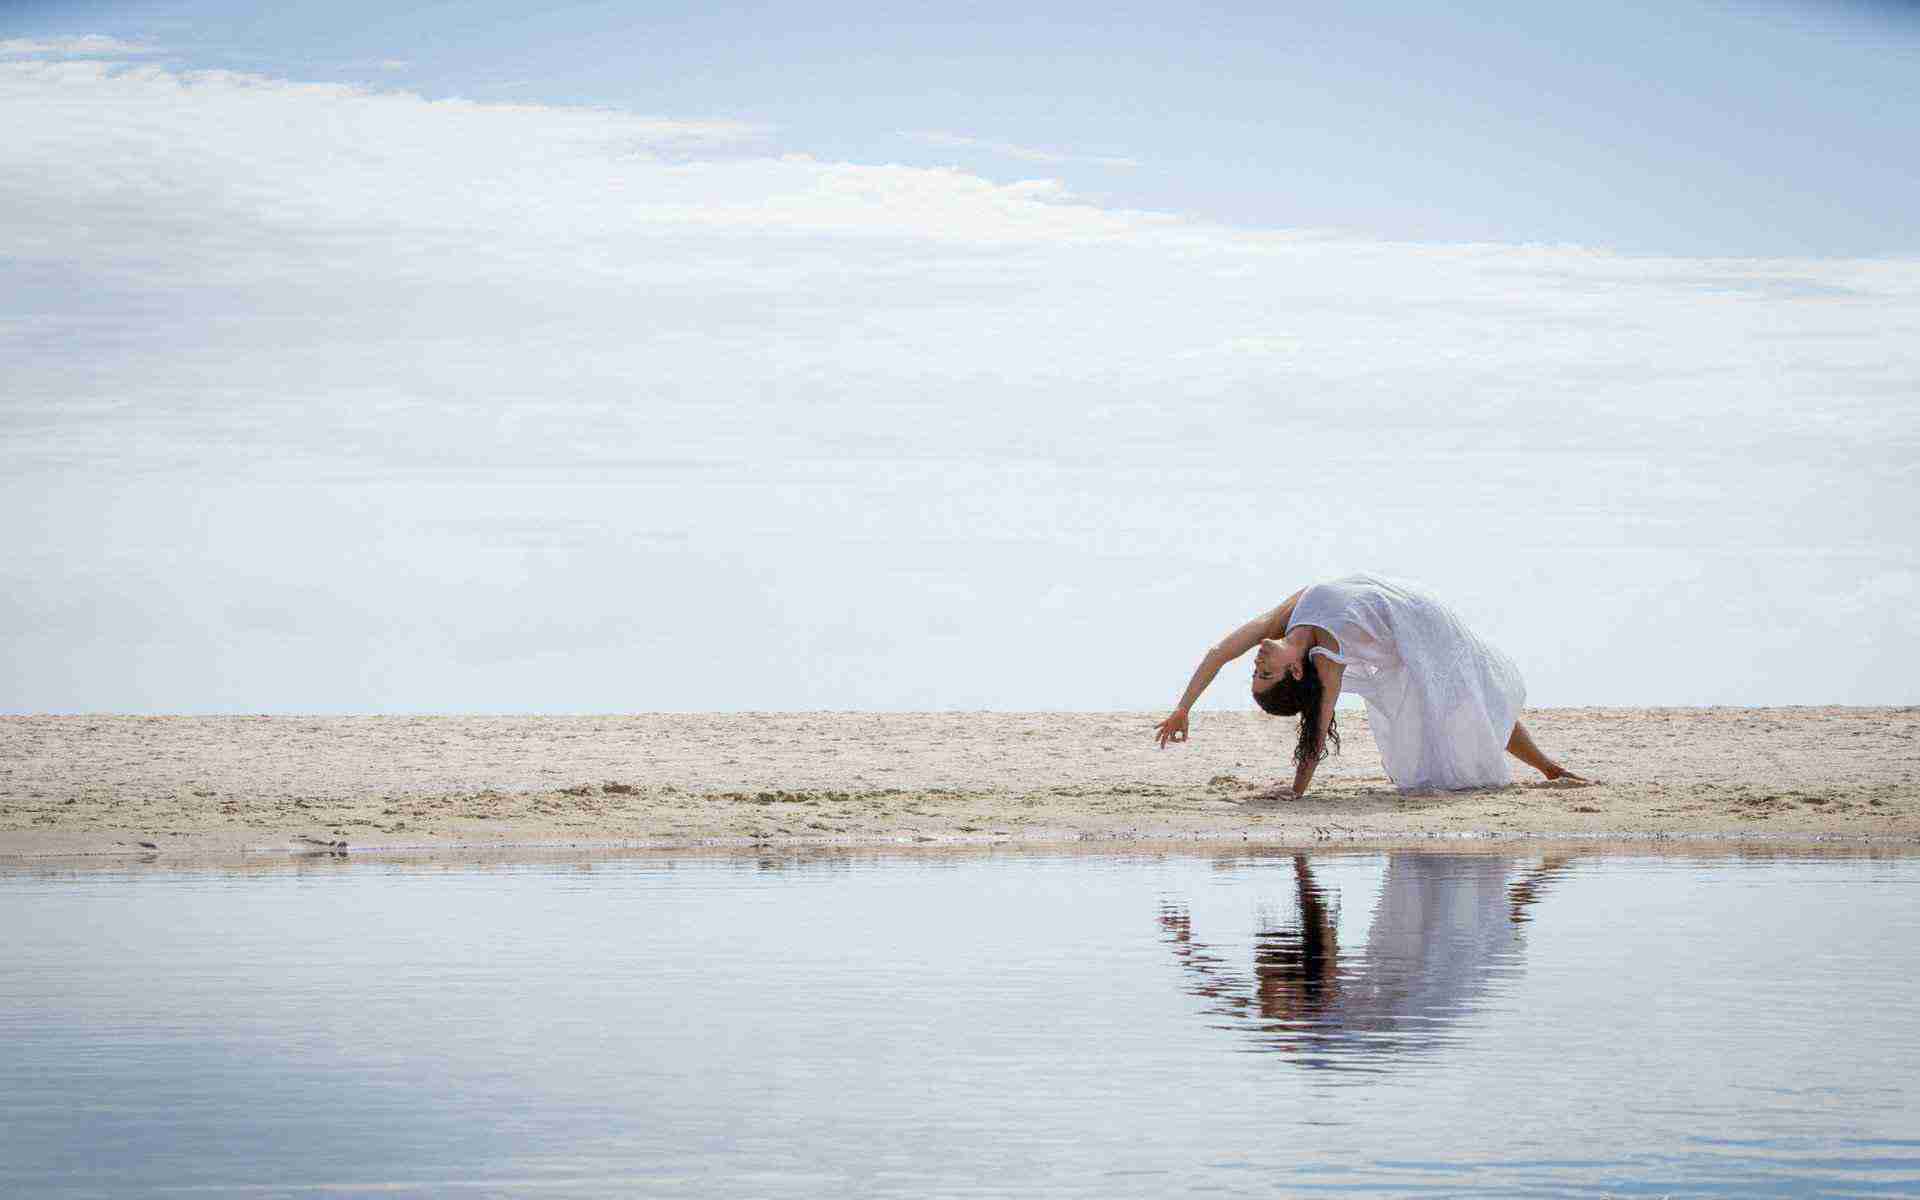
<point x="102" y="785"/>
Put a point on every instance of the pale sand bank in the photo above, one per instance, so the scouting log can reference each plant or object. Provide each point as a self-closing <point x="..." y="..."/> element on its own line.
<point x="210" y="785"/>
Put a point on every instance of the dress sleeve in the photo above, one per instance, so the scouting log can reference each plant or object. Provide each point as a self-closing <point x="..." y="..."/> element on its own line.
<point x="1360" y="673"/>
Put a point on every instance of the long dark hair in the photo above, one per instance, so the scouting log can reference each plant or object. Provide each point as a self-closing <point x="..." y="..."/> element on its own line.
<point x="1304" y="696"/>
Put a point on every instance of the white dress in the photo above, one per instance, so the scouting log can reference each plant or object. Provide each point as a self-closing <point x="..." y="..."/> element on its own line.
<point x="1441" y="703"/>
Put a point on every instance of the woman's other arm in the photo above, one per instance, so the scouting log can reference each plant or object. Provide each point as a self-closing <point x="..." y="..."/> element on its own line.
<point x="1330" y="675"/>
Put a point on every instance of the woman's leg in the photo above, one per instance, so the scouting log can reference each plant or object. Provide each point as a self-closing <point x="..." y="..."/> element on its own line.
<point x="1522" y="747"/>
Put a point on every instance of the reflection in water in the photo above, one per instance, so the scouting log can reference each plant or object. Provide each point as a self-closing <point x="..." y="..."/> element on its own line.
<point x="1446" y="927"/>
<point x="852" y="1022"/>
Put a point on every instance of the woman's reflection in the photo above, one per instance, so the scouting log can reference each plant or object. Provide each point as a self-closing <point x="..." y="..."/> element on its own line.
<point x="1447" y="925"/>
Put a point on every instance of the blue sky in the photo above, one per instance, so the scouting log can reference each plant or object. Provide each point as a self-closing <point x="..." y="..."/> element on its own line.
<point x="375" y="359"/>
<point x="1685" y="128"/>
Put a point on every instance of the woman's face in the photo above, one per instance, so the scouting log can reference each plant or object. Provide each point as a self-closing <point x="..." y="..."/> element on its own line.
<point x="1275" y="659"/>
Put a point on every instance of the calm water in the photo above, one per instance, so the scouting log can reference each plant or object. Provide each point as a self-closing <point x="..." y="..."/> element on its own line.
<point x="1472" y="1024"/>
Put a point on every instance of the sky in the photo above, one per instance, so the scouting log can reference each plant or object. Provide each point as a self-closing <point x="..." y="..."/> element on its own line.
<point x="610" y="358"/>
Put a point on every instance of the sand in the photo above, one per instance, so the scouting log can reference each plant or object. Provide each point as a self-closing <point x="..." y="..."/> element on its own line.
<point x="102" y="785"/>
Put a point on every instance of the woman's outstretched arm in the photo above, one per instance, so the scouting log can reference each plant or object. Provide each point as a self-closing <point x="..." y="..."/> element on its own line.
<point x="1228" y="648"/>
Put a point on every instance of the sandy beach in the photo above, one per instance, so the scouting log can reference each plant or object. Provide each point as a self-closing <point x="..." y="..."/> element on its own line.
<point x="105" y="784"/>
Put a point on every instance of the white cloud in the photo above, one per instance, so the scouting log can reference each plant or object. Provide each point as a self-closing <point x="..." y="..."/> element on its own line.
<point x="837" y="434"/>
<point x="1012" y="150"/>
<point x="90" y="45"/>
<point x="377" y="64"/>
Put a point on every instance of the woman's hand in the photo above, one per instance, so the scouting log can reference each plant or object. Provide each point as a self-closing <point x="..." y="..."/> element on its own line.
<point x="1173" y="729"/>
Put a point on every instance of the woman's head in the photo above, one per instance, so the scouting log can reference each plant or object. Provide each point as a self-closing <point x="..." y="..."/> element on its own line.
<point x="1297" y="691"/>
<point x="1286" y="656"/>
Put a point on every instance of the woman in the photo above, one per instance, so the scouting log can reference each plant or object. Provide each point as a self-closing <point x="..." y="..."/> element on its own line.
<point x="1443" y="705"/>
